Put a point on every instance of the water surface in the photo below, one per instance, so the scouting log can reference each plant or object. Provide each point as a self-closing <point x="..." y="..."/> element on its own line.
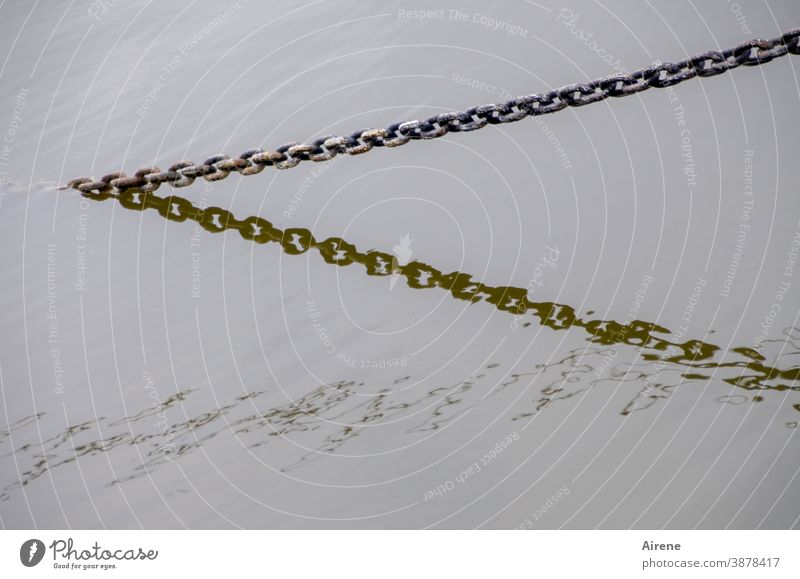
<point x="589" y="319"/>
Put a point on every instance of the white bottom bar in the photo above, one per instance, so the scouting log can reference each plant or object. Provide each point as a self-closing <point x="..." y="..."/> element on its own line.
<point x="402" y="554"/>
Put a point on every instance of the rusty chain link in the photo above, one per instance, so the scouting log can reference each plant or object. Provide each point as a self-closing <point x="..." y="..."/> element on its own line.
<point x="252" y="161"/>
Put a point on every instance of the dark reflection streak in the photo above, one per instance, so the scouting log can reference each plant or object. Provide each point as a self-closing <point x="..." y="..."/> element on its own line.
<point x="320" y="409"/>
<point x="5" y="432"/>
<point x="751" y="370"/>
<point x="330" y="416"/>
<point x="378" y="408"/>
<point x="154" y="410"/>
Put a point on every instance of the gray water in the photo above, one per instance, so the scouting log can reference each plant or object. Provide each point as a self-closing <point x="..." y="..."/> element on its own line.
<point x="156" y="374"/>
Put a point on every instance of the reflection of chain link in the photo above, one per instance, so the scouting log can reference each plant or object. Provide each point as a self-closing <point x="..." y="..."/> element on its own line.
<point x="252" y="161"/>
<point x="418" y="275"/>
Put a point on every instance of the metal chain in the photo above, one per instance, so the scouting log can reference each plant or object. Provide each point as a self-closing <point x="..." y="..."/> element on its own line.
<point x="252" y="161"/>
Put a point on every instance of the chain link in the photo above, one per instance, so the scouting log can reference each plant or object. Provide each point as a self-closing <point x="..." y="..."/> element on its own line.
<point x="252" y="161"/>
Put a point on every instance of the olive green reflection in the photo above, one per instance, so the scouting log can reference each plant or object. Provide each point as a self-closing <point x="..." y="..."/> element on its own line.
<point x="746" y="367"/>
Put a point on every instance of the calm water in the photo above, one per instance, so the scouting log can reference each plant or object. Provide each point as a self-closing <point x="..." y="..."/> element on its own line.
<point x="585" y="320"/>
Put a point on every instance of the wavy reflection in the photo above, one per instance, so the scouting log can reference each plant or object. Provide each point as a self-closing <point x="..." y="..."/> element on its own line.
<point x="330" y="416"/>
<point x="743" y="367"/>
<point x="317" y="424"/>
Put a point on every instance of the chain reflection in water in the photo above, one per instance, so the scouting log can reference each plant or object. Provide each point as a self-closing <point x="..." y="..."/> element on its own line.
<point x="329" y="416"/>
<point x="333" y="414"/>
<point x="744" y="367"/>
